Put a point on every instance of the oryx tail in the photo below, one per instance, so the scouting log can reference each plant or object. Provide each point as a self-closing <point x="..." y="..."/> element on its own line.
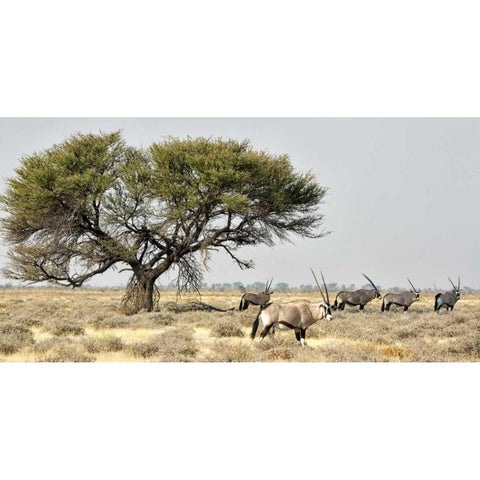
<point x="255" y="325"/>
<point x="335" y="304"/>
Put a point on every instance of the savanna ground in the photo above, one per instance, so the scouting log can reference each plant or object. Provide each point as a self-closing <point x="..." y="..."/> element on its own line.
<point x="54" y="325"/>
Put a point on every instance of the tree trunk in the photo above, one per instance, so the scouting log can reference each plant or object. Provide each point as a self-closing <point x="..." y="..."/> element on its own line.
<point x="140" y="293"/>
<point x="145" y="293"/>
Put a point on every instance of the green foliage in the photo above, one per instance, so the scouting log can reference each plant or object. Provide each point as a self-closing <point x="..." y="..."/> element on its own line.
<point x="92" y="202"/>
<point x="228" y="177"/>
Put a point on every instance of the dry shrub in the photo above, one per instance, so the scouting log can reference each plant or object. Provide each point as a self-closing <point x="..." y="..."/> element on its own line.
<point x="468" y="348"/>
<point x="91" y="344"/>
<point x="14" y="337"/>
<point x="102" y="344"/>
<point x="306" y="354"/>
<point x="315" y="332"/>
<point x="125" y="310"/>
<point x="279" y="347"/>
<point x="354" y="353"/>
<point x="111" y="344"/>
<point x="279" y="354"/>
<point x="162" y="319"/>
<point x="268" y="343"/>
<point x="208" y="320"/>
<point x="61" y="349"/>
<point x="63" y="327"/>
<point x="178" y="345"/>
<point x="174" y="345"/>
<point x="28" y="320"/>
<point x="227" y="330"/>
<point x="147" y="348"/>
<point x="47" y="344"/>
<point x="140" y="320"/>
<point x="403" y="332"/>
<point x="28" y="315"/>
<point x="22" y="318"/>
<point x="395" y="352"/>
<point x="35" y="313"/>
<point x="16" y="300"/>
<point x="225" y="351"/>
<point x="101" y="320"/>
<point x="65" y="352"/>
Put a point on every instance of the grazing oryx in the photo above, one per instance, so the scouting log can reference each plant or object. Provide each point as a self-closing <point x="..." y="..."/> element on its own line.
<point x="256" y="298"/>
<point x="358" y="297"/>
<point x="403" y="299"/>
<point x="294" y="315"/>
<point x="447" y="299"/>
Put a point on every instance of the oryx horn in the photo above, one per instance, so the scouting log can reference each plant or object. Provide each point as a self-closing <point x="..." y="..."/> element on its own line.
<point x="373" y="285"/>
<point x="318" y="285"/>
<point x="414" y="289"/>
<point x="453" y="285"/>
<point x="326" y="289"/>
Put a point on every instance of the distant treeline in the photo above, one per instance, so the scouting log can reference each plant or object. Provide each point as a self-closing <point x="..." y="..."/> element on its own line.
<point x="250" y="287"/>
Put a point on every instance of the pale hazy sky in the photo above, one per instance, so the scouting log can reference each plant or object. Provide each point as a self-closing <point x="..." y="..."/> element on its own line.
<point x="402" y="200"/>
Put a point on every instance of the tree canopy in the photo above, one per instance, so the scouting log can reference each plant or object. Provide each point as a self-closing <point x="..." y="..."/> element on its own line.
<point x="93" y="203"/>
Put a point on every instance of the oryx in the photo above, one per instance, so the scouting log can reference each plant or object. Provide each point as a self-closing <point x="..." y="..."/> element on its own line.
<point x="294" y="315"/>
<point x="402" y="299"/>
<point x="358" y="297"/>
<point x="256" y="298"/>
<point x="447" y="299"/>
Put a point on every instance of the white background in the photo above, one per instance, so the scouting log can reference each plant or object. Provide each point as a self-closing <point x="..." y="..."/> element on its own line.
<point x="248" y="58"/>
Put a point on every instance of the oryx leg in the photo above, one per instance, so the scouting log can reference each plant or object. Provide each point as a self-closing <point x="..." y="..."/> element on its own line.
<point x="297" y="335"/>
<point x="303" y="331"/>
<point x="405" y="308"/>
<point x="265" y="332"/>
<point x="387" y="308"/>
<point x="363" y="306"/>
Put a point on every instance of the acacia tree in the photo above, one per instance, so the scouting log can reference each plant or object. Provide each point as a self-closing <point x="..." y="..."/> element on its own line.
<point x="93" y="203"/>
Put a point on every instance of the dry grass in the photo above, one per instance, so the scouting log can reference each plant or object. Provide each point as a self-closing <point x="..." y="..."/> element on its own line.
<point x="229" y="329"/>
<point x="53" y="325"/>
<point x="63" y="327"/>
<point x="14" y="337"/>
<point x="107" y="343"/>
<point x="177" y="345"/>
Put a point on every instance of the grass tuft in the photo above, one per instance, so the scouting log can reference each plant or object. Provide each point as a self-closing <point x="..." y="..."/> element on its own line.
<point x="14" y="337"/>
<point x="227" y="330"/>
<point x="63" y="327"/>
<point x="173" y="345"/>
